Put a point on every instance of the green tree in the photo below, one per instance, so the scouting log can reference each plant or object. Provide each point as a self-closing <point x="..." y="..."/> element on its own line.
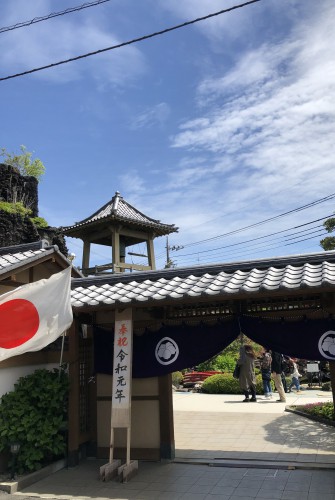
<point x="226" y="359"/>
<point x="23" y="162"/>
<point x="328" y="243"/>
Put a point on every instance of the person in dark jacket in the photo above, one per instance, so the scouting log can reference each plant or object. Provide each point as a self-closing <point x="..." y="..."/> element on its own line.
<point x="247" y="378"/>
<point x="266" y="373"/>
<point x="277" y="369"/>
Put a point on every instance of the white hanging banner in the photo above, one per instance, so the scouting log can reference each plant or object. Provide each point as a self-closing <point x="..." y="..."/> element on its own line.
<point x="122" y="369"/>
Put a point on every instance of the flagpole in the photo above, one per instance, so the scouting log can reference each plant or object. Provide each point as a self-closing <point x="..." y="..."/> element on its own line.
<point x="62" y="352"/>
<point x="71" y="258"/>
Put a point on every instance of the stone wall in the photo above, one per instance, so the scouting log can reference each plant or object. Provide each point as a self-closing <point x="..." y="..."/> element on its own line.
<point x="15" y="187"/>
<point x="15" y="229"/>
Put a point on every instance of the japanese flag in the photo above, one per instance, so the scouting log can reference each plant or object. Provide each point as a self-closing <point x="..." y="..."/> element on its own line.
<point x="34" y="315"/>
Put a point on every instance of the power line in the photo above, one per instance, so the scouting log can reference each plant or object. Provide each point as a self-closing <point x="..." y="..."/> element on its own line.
<point x="135" y="40"/>
<point x="50" y="16"/>
<point x="259" y="237"/>
<point x="256" y="245"/>
<point x="270" y="219"/>
<point x="242" y="252"/>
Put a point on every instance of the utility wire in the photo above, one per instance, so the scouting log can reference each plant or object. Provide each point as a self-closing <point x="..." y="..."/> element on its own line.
<point x="240" y="253"/>
<point x="135" y="40"/>
<point x="50" y="16"/>
<point x="260" y="237"/>
<point x="250" y="248"/>
<point x="299" y="209"/>
<point x="263" y="237"/>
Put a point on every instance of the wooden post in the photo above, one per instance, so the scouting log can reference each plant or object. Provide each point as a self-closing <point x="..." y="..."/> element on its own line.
<point x="332" y="381"/>
<point x="167" y="445"/>
<point x="116" y="251"/>
<point x="86" y="255"/>
<point x="73" y="436"/>
<point x="121" y="395"/>
<point x="151" y="253"/>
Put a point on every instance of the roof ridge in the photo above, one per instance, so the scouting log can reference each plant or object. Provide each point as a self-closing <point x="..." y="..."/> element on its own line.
<point x="119" y="208"/>
<point x="198" y="270"/>
<point x="24" y="247"/>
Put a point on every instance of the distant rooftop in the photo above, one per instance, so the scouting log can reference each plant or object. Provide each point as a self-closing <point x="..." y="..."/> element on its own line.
<point x="118" y="210"/>
<point x="294" y="273"/>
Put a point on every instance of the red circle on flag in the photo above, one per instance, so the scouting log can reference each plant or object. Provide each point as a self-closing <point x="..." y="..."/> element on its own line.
<point x="19" y="321"/>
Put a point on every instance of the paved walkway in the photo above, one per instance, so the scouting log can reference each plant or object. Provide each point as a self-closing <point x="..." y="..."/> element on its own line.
<point x="223" y="427"/>
<point x="212" y="433"/>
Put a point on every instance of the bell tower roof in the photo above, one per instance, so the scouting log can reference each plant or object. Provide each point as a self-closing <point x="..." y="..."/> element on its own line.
<point x="118" y="225"/>
<point x="117" y="211"/>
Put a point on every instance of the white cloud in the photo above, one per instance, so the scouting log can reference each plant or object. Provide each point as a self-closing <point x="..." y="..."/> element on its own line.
<point x="63" y="38"/>
<point x="151" y="117"/>
<point x="273" y="114"/>
<point x="261" y="137"/>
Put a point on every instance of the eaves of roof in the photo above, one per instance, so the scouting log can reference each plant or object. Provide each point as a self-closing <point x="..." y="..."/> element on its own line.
<point x="121" y="211"/>
<point x="293" y="273"/>
<point x="19" y="257"/>
<point x="159" y="228"/>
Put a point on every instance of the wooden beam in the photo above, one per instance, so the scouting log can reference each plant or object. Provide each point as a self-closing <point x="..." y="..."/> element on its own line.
<point x="86" y="255"/>
<point x="115" y="249"/>
<point x="151" y="254"/>
<point x="167" y="444"/>
<point x="332" y="381"/>
<point x="73" y="437"/>
<point x="134" y="234"/>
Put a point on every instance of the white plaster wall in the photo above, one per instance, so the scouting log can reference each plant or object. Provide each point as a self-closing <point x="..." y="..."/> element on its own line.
<point x="9" y="376"/>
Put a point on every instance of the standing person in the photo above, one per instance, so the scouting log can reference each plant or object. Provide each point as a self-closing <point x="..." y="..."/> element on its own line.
<point x="276" y="369"/>
<point x="286" y="371"/>
<point x="247" y="377"/>
<point x="295" y="376"/>
<point x="266" y="373"/>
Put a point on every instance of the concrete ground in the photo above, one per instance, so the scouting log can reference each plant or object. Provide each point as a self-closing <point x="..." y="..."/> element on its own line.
<point x="223" y="427"/>
<point x="225" y="449"/>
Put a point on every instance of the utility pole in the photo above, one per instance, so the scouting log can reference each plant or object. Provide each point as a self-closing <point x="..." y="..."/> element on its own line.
<point x="169" y="262"/>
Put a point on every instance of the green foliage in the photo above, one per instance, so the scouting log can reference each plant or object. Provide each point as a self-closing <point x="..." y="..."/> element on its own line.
<point x="227" y="384"/>
<point x="327" y="386"/>
<point x="177" y="378"/>
<point x="170" y="264"/>
<point x="328" y="243"/>
<point x="220" y="363"/>
<point x="20" y="209"/>
<point x="35" y="415"/>
<point x="226" y="359"/>
<point x="329" y="225"/>
<point x="23" y="162"/>
<point x="39" y="222"/>
<point x="14" y="208"/>
<point x="323" y="410"/>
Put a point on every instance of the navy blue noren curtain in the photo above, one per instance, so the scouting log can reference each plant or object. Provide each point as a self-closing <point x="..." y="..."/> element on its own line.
<point x="303" y="338"/>
<point x="174" y="348"/>
<point x="169" y="349"/>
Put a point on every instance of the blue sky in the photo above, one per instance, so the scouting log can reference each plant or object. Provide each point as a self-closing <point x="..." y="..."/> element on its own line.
<point x="213" y="127"/>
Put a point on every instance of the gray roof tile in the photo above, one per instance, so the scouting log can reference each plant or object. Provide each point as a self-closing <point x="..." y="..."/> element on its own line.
<point x="220" y="280"/>
<point x="118" y="209"/>
<point x="10" y="260"/>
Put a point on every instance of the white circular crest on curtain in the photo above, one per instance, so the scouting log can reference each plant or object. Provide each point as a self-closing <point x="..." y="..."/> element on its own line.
<point x="167" y="351"/>
<point x="327" y="345"/>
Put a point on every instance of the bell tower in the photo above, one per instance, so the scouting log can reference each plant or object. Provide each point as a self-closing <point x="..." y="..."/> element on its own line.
<point x="118" y="225"/>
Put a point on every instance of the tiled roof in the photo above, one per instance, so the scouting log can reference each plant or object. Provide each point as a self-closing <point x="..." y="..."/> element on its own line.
<point x="213" y="281"/>
<point x="13" y="257"/>
<point x="16" y="258"/>
<point x="119" y="209"/>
